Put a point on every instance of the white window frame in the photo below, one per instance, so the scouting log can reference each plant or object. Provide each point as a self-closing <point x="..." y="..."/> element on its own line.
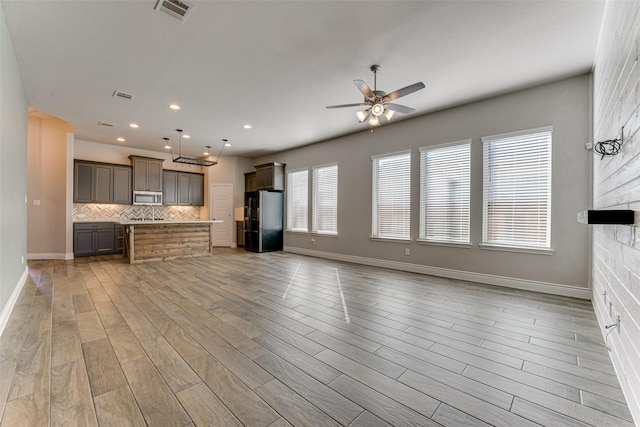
<point x="375" y="196"/>
<point x="448" y="210"/>
<point x="297" y="200"/>
<point x="520" y="236"/>
<point x="315" y="221"/>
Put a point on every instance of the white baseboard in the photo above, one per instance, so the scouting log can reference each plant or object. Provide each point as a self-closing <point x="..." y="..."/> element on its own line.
<point x="508" y="282"/>
<point x="50" y="255"/>
<point x="13" y="298"/>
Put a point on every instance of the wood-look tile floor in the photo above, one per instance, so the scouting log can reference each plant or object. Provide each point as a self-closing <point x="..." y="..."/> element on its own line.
<point x="279" y="339"/>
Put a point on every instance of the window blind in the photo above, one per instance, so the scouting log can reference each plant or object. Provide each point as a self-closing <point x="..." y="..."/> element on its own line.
<point x="325" y="199"/>
<point x="517" y="189"/>
<point x="391" y="196"/>
<point x="445" y="192"/>
<point x="298" y="200"/>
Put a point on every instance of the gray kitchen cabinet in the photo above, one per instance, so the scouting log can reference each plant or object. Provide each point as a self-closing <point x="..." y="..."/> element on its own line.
<point x="147" y="173"/>
<point x="269" y="176"/>
<point x="95" y="182"/>
<point x="122" y="185"/>
<point x="170" y="192"/>
<point x="183" y="188"/>
<point x="93" y="238"/>
<point x="250" y="181"/>
<point x="103" y="183"/>
<point x="83" y="182"/>
<point x="196" y="189"/>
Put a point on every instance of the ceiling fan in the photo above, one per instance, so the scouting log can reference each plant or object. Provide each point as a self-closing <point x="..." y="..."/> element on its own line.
<point x="377" y="101"/>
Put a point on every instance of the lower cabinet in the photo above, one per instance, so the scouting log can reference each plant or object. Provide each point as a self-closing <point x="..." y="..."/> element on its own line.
<point x="94" y="238"/>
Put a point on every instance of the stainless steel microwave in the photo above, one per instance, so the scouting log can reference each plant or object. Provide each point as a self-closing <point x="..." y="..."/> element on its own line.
<point x="147" y="197"/>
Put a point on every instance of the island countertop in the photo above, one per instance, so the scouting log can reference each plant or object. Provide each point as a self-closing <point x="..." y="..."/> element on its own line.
<point x="168" y="221"/>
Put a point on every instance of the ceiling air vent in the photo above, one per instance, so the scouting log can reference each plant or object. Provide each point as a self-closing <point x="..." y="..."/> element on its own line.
<point x="122" y="95"/>
<point x="109" y="125"/>
<point x="176" y="8"/>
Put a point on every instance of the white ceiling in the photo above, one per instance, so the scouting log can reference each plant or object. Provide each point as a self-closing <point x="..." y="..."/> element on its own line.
<point x="276" y="64"/>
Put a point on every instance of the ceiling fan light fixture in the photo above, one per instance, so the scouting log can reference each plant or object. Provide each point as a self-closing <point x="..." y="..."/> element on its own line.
<point x="361" y="115"/>
<point x="389" y="114"/>
<point x="377" y="109"/>
<point x="373" y="121"/>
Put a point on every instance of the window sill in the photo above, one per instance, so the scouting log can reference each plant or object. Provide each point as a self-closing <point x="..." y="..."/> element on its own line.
<point x="297" y="231"/>
<point x="442" y="243"/>
<point x="389" y="239"/>
<point x="318" y="233"/>
<point x="521" y="249"/>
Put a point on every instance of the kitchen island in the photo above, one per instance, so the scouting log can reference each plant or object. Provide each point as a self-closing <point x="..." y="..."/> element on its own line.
<point x="157" y="240"/>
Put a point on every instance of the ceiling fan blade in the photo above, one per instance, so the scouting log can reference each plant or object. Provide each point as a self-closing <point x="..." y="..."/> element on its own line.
<point x="364" y="88"/>
<point x="399" y="108"/>
<point x="403" y="92"/>
<point x="361" y="104"/>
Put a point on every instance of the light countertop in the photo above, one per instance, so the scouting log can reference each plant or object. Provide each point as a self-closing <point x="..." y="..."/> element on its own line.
<point x="162" y="221"/>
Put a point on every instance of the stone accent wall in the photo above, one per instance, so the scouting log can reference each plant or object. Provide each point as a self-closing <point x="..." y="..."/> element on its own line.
<point x="616" y="185"/>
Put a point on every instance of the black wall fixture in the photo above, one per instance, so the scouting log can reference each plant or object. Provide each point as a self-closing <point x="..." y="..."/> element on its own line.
<point x="610" y="147"/>
<point x="611" y="216"/>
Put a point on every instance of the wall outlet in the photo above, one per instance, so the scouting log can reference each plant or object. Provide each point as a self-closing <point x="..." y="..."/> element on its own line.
<point x="36" y="203"/>
<point x="588" y="145"/>
<point x="407" y="251"/>
<point x="313" y="241"/>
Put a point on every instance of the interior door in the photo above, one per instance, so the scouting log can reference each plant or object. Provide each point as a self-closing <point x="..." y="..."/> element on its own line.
<point x="222" y="208"/>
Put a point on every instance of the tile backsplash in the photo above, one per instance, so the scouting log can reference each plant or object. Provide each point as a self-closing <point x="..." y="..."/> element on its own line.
<point x="105" y="212"/>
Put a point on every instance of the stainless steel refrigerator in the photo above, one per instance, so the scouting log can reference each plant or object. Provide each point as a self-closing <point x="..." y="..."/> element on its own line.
<point x="263" y="221"/>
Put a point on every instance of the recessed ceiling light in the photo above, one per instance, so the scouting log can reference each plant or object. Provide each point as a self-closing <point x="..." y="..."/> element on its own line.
<point x="247" y="126"/>
<point x="185" y="136"/>
<point x="121" y="139"/>
<point x="174" y="106"/>
<point x="134" y="125"/>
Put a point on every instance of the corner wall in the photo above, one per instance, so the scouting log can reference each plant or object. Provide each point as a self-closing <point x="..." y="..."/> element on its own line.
<point x="47" y="187"/>
<point x="13" y="176"/>
<point x="616" y="249"/>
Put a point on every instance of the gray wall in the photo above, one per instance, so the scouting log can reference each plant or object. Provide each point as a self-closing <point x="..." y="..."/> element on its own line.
<point x="616" y="249"/>
<point x="563" y="105"/>
<point x="13" y="170"/>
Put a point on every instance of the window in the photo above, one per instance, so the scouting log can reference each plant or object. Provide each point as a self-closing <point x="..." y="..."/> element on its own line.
<point x="391" y="196"/>
<point x="325" y="199"/>
<point x="298" y="201"/>
<point x="445" y="192"/>
<point x="517" y="189"/>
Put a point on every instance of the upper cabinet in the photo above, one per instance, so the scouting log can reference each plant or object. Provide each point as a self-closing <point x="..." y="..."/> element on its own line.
<point x="95" y="182"/>
<point x="83" y="191"/>
<point x="250" y="181"/>
<point x="147" y="173"/>
<point x="269" y="176"/>
<point x="122" y="185"/>
<point x="196" y="189"/>
<point x="183" y="188"/>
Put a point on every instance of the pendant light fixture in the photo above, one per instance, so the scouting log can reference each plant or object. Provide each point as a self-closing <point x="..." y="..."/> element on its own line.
<point x="196" y="161"/>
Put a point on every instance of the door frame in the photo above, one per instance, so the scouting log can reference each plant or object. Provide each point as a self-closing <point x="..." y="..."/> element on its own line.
<point x="231" y="225"/>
